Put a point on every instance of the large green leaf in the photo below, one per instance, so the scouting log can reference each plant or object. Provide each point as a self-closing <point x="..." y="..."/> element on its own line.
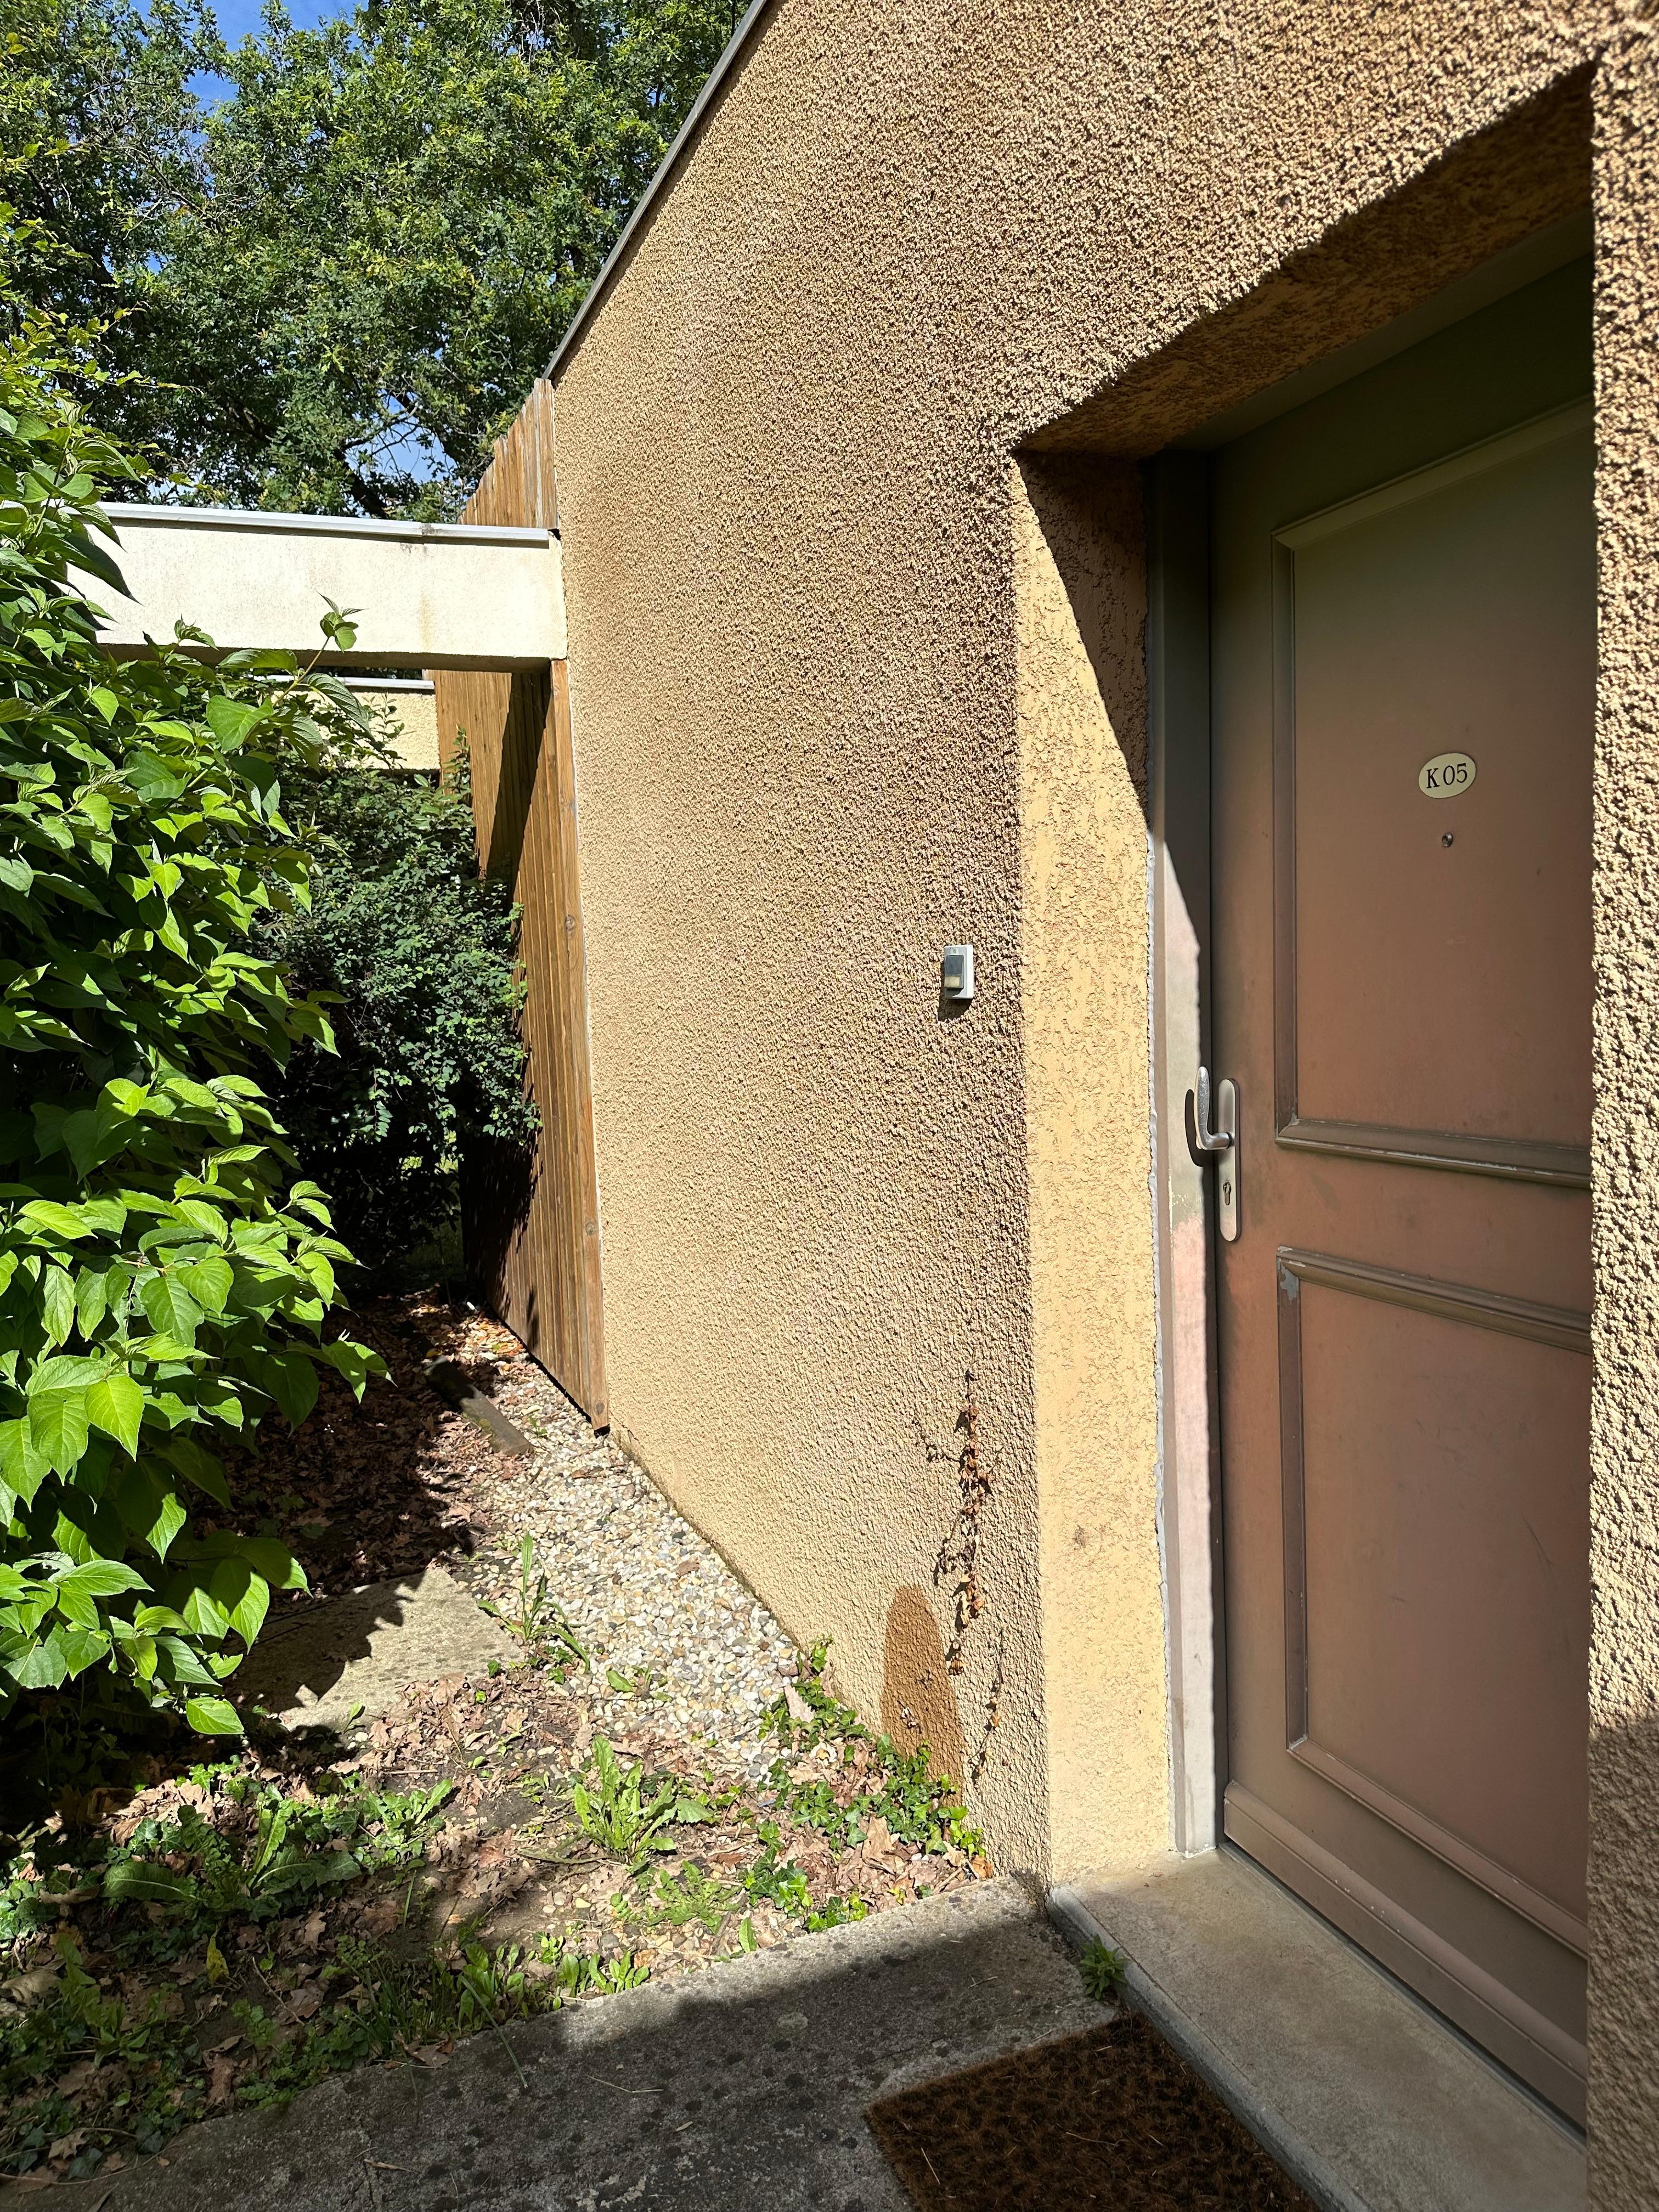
<point x="245" y="1596"/>
<point x="100" y="1578"/>
<point x="291" y="1379"/>
<point x="171" y="1310"/>
<point x="23" y="1465"/>
<point x="91" y="1299"/>
<point x="213" y="1717"/>
<point x="76" y="1593"/>
<point x="137" y="1881"/>
<point x="59" y="1425"/>
<point x="209" y="1282"/>
<point x="198" y="1467"/>
<point x="116" y="1404"/>
<point x="65" y="1221"/>
<point x="153" y="1511"/>
<point x="264" y="1554"/>
<point x="57" y="1304"/>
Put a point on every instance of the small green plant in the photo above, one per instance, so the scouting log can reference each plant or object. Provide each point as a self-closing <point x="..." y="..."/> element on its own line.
<point x="836" y="1913"/>
<point x="583" y="1974"/>
<point x="690" y="1894"/>
<point x="627" y="1815"/>
<point x="1105" y="1971"/>
<point x="539" y="1622"/>
<point x="273" y="1863"/>
<point x="898" y="1787"/>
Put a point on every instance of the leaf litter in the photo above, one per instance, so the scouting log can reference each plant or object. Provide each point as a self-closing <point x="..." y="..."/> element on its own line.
<point x="662" y="1781"/>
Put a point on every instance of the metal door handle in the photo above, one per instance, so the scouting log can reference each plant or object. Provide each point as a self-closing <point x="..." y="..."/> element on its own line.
<point x="1222" y="1140"/>
<point x="1207" y="1138"/>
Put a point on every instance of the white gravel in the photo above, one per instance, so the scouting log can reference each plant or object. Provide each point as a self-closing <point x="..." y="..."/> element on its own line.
<point x="640" y="1588"/>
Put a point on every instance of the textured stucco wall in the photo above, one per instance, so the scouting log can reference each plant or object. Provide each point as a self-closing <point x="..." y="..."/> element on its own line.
<point x="1080" y="704"/>
<point x="832" y="645"/>
<point x="1623" y="1889"/>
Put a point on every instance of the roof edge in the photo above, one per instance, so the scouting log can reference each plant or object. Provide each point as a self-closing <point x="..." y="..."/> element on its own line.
<point x="159" y="516"/>
<point x="665" y="170"/>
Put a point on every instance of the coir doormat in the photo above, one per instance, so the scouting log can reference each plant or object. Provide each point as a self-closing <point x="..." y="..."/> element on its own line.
<point x="1112" y="2120"/>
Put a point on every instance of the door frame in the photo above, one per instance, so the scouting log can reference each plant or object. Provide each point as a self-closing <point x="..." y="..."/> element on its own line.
<point x="1176" y="496"/>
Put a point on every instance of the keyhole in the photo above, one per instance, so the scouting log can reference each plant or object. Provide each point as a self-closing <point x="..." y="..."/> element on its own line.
<point x="1226" y="1193"/>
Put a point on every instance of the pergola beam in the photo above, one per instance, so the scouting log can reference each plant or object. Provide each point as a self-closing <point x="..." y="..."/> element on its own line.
<point x="428" y="595"/>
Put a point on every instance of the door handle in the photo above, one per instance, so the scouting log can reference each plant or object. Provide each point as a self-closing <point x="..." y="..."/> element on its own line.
<point x="1222" y="1141"/>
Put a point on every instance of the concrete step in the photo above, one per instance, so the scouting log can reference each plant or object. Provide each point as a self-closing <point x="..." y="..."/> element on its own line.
<point x="1362" y="2093"/>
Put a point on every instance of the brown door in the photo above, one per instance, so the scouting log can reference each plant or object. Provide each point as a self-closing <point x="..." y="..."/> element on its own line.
<point x="1403" y="658"/>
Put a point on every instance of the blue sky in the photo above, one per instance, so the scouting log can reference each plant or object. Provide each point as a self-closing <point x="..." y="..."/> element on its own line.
<point x="236" y="18"/>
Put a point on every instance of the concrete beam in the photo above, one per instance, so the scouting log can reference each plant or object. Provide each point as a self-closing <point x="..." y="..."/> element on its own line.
<point x="429" y="595"/>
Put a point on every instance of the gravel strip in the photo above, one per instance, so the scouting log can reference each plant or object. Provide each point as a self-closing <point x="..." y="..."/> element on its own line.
<point x="643" y="1592"/>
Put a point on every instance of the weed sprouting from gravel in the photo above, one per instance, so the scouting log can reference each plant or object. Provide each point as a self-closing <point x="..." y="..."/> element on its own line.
<point x="537" y="1621"/>
<point x="627" y="1813"/>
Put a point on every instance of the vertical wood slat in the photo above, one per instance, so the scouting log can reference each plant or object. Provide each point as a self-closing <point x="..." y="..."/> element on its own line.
<point x="532" y="1226"/>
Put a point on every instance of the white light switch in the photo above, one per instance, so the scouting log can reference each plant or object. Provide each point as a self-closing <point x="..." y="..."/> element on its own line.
<point x="957" y="974"/>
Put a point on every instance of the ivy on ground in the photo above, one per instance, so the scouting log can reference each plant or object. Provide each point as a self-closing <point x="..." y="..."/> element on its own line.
<point x="900" y="1788"/>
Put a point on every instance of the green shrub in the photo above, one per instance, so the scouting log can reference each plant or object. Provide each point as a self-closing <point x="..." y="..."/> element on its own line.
<point x="419" y="949"/>
<point x="164" y="1270"/>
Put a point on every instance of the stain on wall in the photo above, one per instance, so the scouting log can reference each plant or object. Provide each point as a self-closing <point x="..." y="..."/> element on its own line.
<point x="918" y="1705"/>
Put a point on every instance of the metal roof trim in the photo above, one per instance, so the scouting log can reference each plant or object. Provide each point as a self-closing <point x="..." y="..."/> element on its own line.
<point x="665" y="168"/>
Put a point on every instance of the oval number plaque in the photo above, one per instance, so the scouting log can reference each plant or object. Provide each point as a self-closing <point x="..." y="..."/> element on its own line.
<point x="1446" y="775"/>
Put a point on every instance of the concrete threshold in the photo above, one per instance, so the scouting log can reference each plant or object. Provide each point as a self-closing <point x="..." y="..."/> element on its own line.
<point x="1365" y="2097"/>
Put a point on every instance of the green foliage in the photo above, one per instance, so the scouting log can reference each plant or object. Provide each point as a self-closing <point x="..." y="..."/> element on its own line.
<point x="164" y="1270"/>
<point x="899" y="1786"/>
<point x="416" y="949"/>
<point x="341" y="280"/>
<point x="537" y="1620"/>
<point x="627" y="1813"/>
<point x="1105" y="1971"/>
<point x="690" y="1894"/>
<point x="275" y="1861"/>
<point x="97" y="139"/>
<point x="247" y="1853"/>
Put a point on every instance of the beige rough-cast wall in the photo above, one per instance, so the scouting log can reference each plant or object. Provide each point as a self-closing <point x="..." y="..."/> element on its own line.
<point x="1080" y="703"/>
<point x="830" y="712"/>
<point x="1624" y="1887"/>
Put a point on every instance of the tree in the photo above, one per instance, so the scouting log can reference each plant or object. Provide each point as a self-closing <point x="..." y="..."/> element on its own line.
<point x="338" y="284"/>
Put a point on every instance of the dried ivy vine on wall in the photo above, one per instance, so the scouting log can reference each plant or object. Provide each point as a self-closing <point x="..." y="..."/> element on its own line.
<point x="957" y="1562"/>
<point x="958" y="1554"/>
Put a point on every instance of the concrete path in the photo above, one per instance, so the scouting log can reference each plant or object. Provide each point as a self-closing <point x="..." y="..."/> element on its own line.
<point x="355" y="1655"/>
<point x="740" y="2089"/>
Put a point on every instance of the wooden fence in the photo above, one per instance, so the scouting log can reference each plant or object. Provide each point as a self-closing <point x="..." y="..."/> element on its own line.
<point x="532" y="1225"/>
